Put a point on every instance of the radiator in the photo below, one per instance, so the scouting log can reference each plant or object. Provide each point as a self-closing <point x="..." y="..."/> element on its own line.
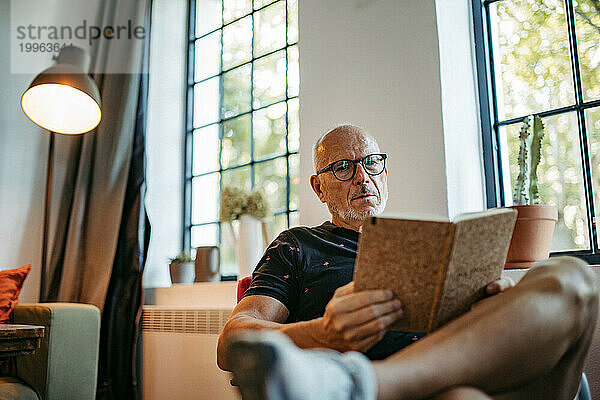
<point x="179" y="352"/>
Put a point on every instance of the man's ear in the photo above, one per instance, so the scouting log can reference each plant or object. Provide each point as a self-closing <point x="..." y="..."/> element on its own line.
<point x="315" y="183"/>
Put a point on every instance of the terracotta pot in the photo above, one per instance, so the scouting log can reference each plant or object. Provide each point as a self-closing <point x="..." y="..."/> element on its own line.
<point x="532" y="236"/>
<point x="207" y="264"/>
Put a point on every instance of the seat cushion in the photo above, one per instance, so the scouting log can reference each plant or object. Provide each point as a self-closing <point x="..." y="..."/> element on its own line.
<point x="14" y="388"/>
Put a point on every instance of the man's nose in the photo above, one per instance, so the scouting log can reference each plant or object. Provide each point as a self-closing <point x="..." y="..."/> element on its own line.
<point x="361" y="175"/>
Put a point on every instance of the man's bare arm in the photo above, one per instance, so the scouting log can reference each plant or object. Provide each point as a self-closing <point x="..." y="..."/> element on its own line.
<point x="352" y="321"/>
<point x="251" y="313"/>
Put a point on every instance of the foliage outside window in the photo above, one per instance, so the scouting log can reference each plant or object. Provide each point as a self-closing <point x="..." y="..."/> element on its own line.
<point x="242" y="118"/>
<point x="542" y="57"/>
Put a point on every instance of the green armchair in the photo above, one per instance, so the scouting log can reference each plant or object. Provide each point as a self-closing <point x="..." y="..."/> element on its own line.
<point x="66" y="364"/>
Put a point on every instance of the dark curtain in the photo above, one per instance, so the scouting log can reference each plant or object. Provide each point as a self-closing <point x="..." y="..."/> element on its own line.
<point x="120" y="334"/>
<point x="91" y="172"/>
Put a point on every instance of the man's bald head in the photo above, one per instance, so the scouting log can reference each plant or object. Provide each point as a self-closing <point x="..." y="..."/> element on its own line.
<point x="342" y="135"/>
<point x="352" y="200"/>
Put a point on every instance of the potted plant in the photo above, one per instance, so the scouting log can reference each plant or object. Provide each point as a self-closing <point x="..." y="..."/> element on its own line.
<point x="182" y="268"/>
<point x="532" y="236"/>
<point x="250" y="209"/>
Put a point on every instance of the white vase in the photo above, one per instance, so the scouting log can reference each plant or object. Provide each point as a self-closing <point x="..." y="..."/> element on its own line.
<point x="249" y="245"/>
<point x="182" y="272"/>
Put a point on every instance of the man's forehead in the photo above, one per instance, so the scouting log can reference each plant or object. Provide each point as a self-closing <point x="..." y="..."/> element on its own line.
<point x="350" y="145"/>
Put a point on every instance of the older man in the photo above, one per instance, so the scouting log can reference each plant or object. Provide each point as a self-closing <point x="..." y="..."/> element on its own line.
<point x="529" y="342"/>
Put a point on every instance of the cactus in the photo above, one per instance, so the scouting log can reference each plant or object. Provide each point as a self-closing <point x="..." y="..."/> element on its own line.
<point x="530" y="146"/>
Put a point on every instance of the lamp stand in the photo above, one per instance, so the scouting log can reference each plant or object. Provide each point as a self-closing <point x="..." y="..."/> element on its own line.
<point x="49" y="172"/>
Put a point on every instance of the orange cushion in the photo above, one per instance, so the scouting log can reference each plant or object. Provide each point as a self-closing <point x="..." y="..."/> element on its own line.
<point x="11" y="282"/>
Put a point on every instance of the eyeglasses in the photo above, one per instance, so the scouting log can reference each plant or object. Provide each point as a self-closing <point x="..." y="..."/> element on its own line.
<point x="344" y="170"/>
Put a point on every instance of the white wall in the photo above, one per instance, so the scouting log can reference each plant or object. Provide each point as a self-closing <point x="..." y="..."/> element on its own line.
<point x="23" y="152"/>
<point x="461" y="122"/>
<point x="375" y="64"/>
<point x="165" y="137"/>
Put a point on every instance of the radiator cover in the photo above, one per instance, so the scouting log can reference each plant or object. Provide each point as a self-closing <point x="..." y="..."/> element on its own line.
<point x="179" y="351"/>
<point x="182" y="320"/>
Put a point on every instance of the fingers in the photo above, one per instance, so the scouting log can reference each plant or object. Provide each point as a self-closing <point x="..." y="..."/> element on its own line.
<point x="372" y="327"/>
<point x="499" y="285"/>
<point x="368" y="342"/>
<point x="356" y="301"/>
<point x="356" y="321"/>
<point x="344" y="290"/>
<point x="372" y="312"/>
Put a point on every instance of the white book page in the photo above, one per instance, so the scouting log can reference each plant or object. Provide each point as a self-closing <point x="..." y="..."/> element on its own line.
<point x="413" y="216"/>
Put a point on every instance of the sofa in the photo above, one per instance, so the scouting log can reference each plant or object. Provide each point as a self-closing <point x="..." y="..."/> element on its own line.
<point x="66" y="364"/>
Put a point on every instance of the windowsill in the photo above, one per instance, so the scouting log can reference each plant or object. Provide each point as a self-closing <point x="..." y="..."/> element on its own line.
<point x="206" y="295"/>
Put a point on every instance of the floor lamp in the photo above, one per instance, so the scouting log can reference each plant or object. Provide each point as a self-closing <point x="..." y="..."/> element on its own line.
<point x="62" y="99"/>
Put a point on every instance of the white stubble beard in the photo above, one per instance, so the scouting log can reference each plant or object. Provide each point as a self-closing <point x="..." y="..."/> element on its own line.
<point x="352" y="215"/>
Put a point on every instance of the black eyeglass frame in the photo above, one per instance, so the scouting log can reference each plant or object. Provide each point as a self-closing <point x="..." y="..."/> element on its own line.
<point x="354" y="163"/>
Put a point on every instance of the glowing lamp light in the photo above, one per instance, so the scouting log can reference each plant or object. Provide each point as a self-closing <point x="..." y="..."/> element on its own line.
<point x="63" y="98"/>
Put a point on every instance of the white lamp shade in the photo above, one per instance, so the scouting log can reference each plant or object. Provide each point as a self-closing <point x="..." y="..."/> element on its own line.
<point x="63" y="98"/>
<point x="61" y="108"/>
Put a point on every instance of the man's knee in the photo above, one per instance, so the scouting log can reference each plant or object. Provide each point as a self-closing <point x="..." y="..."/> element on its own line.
<point x="463" y="393"/>
<point x="569" y="277"/>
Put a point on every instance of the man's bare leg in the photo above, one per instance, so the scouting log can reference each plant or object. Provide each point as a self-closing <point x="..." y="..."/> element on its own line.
<point x="529" y="342"/>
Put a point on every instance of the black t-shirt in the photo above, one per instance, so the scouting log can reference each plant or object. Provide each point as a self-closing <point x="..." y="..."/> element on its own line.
<point x="304" y="266"/>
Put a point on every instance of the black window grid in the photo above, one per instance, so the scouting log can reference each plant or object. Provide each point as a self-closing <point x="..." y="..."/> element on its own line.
<point x="190" y="128"/>
<point x="491" y="123"/>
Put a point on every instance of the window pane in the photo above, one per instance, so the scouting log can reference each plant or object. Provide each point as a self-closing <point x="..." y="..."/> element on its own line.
<point x="206" y="150"/>
<point x="206" y="102"/>
<point x="205" y="235"/>
<point x="205" y="198"/>
<point x="294" y="180"/>
<point x="236" y="141"/>
<point x="292" y="21"/>
<point x="237" y="43"/>
<point x="237" y="177"/>
<point x="233" y="9"/>
<point x="531" y="56"/>
<point x="293" y="125"/>
<point x="240" y="113"/>
<point x="587" y="23"/>
<point x="293" y="72"/>
<point x="228" y="253"/>
<point x="269" y="130"/>
<point x="208" y="16"/>
<point x="294" y="219"/>
<point x="270" y="176"/>
<point x="276" y="225"/>
<point x="261" y="3"/>
<point x="560" y="178"/>
<point x="269" y="29"/>
<point x="269" y="79"/>
<point x="236" y="91"/>
<point x="207" y="57"/>
<point x="592" y="122"/>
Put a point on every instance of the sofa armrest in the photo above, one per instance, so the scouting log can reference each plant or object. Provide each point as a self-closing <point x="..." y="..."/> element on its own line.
<point x="66" y="364"/>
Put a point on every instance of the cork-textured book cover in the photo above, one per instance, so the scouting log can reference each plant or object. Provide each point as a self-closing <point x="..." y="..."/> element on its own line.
<point x="436" y="268"/>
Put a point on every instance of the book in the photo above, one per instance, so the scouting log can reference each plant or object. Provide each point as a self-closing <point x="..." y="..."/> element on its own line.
<point x="436" y="267"/>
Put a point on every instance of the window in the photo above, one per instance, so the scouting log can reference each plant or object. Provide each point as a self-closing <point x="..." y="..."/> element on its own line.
<point x="542" y="57"/>
<point x="242" y="114"/>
